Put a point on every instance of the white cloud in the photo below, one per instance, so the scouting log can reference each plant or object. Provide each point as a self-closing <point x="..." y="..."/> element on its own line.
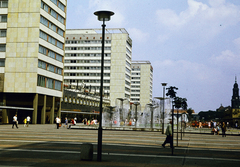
<point x="227" y="61"/>
<point x="217" y="2"/>
<point x="237" y="42"/>
<point x="137" y="35"/>
<point x="199" y="22"/>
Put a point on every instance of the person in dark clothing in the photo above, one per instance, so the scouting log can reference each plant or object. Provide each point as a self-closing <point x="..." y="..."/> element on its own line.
<point x="224" y="128"/>
<point x="169" y="138"/>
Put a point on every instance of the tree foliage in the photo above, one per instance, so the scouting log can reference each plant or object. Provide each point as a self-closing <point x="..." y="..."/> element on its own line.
<point x="189" y="111"/>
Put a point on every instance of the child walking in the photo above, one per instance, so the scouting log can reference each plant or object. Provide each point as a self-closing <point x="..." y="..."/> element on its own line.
<point x="25" y="122"/>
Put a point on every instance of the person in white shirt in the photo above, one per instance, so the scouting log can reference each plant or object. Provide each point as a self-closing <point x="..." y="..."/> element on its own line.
<point x="28" y="120"/>
<point x="58" y="122"/>
<point x="15" y="121"/>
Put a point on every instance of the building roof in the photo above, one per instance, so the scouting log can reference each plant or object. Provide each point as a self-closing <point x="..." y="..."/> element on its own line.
<point x="97" y="31"/>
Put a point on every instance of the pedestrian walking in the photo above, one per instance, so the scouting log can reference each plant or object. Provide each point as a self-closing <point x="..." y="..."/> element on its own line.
<point x="57" y="121"/>
<point x="66" y="122"/>
<point x="25" y="122"/>
<point x="28" y="120"/>
<point x="200" y="124"/>
<point x="15" y="122"/>
<point x="169" y="138"/>
<point x="85" y="121"/>
<point x="224" y="128"/>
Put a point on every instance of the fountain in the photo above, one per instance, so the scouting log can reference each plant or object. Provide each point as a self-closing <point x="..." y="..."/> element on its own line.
<point x="122" y="116"/>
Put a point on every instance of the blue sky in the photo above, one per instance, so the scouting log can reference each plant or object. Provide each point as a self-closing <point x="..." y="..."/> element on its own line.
<point x="193" y="45"/>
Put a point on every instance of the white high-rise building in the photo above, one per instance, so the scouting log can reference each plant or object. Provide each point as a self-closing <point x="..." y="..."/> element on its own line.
<point x="32" y="37"/>
<point x="141" y="83"/>
<point x="83" y="61"/>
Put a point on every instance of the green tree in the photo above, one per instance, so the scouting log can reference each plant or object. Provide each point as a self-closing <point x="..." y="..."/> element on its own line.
<point x="189" y="111"/>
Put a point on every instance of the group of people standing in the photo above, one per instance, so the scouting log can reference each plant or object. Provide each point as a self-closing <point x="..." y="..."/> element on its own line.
<point x="66" y="123"/>
<point x="90" y="122"/>
<point x="26" y="121"/>
<point x="216" y="128"/>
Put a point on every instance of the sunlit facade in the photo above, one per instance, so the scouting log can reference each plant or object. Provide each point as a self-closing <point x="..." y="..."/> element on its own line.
<point x="83" y="61"/>
<point x="32" y="37"/>
<point x="141" y="82"/>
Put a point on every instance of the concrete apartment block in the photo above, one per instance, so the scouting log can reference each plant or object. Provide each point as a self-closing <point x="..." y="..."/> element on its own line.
<point x="31" y="58"/>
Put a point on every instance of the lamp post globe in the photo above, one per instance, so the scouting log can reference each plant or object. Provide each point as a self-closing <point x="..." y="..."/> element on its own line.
<point x="104" y="15"/>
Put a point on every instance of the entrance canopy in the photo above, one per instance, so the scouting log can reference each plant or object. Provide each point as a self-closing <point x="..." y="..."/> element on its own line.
<point x="16" y="108"/>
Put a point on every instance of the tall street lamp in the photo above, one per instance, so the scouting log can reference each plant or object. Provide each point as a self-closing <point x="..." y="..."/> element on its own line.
<point x="102" y="16"/>
<point x="163" y="84"/>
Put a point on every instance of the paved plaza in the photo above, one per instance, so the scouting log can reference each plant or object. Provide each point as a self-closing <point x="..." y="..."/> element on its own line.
<point x="44" y="145"/>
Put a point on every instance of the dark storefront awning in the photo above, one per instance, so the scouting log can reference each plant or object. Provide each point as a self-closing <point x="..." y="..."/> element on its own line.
<point x="77" y="112"/>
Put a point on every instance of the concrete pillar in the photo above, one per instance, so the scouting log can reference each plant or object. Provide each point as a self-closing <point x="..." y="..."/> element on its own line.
<point x="43" y="112"/>
<point x="5" y="119"/>
<point x="59" y="109"/>
<point x="35" y="108"/>
<point x="52" y="111"/>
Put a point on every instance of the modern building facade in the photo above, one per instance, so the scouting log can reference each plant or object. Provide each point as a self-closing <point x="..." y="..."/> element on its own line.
<point x="83" y="61"/>
<point x="141" y="83"/>
<point x="31" y="58"/>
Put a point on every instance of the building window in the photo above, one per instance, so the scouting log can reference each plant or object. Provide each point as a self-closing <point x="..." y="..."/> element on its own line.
<point x="41" y="81"/>
<point x="44" y="21"/>
<point x="58" y="85"/>
<point x="128" y="51"/>
<point x="60" y="45"/>
<point x="2" y="48"/>
<point x="2" y="62"/>
<point x="54" y="1"/>
<point x="61" y="19"/>
<point x="51" y="54"/>
<point x="3" y="18"/>
<point x="58" y="71"/>
<point x="61" y="6"/>
<point x="53" y="12"/>
<point x="43" y="35"/>
<point x="41" y="64"/>
<point x="60" y="32"/>
<point x="52" y="26"/>
<point x="49" y="83"/>
<point x="3" y="33"/>
<point x="50" y="39"/>
<point x="128" y="64"/>
<point x="4" y="4"/>
<point x="129" y="71"/>
<point x="50" y="68"/>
